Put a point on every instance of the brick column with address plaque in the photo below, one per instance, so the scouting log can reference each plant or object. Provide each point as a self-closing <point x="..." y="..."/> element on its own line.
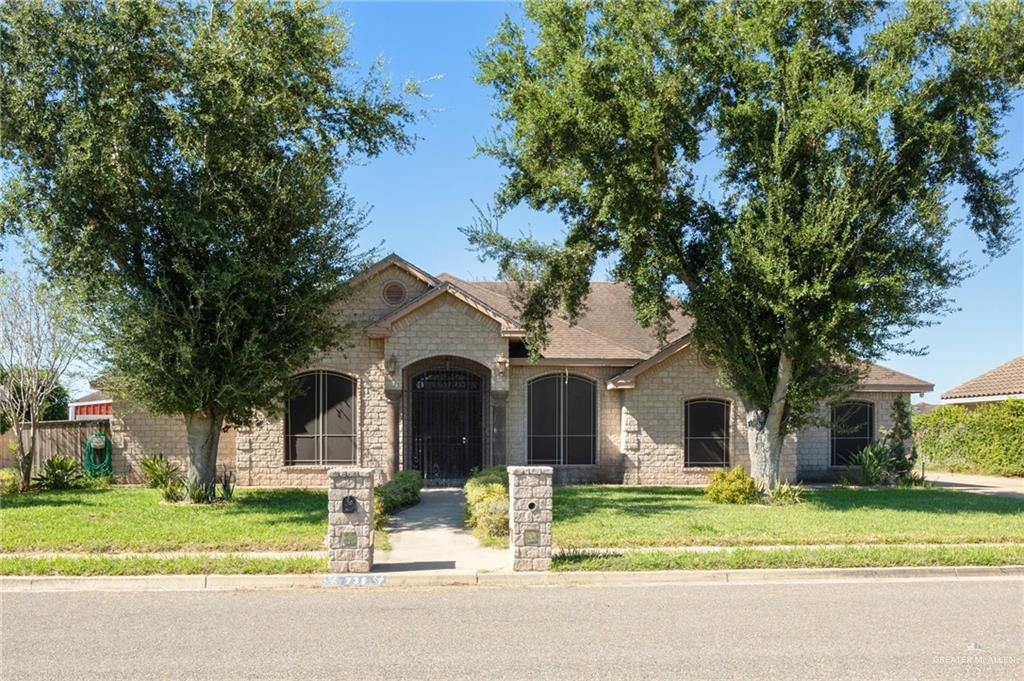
<point x="350" y="520"/>
<point x="529" y="517"/>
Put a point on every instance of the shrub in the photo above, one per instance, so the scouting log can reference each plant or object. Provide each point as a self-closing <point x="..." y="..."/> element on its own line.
<point x="158" y="471"/>
<point x="393" y="496"/>
<point x="988" y="439"/>
<point x="733" y="487"/>
<point x="8" y="481"/>
<point x="487" y="502"/>
<point x="59" y="472"/>
<point x="96" y="482"/>
<point x="785" y="494"/>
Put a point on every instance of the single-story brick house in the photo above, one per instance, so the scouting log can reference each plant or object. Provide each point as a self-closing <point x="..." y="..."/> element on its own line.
<point x="439" y="381"/>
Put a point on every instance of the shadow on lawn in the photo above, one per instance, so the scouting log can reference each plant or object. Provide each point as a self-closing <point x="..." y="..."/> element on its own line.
<point x="282" y="505"/>
<point x="56" y="498"/>
<point x="575" y="502"/>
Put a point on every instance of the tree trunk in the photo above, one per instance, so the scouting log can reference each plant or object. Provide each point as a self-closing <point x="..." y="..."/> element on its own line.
<point x="25" y="457"/>
<point x="765" y="435"/>
<point x="203" y="437"/>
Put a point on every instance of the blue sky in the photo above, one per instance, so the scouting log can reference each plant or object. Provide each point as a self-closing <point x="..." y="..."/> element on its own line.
<point x="420" y="200"/>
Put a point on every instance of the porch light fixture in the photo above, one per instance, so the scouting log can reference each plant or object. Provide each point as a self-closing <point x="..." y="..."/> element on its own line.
<point x="391" y="365"/>
<point x="502" y="363"/>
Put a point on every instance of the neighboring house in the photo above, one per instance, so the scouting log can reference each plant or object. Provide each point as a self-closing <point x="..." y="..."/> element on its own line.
<point x="1004" y="382"/>
<point x="439" y="381"/>
<point x="96" y="404"/>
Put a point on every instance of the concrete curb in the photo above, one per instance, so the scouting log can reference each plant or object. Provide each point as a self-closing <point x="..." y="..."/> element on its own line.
<point x="498" y="579"/>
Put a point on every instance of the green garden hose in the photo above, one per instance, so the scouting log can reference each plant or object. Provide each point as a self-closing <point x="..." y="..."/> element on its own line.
<point x="92" y="467"/>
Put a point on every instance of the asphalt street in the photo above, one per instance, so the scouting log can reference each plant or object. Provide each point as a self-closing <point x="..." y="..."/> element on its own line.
<point x="826" y="630"/>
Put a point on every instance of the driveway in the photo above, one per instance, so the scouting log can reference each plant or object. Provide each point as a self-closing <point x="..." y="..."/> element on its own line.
<point x="983" y="484"/>
<point x="927" y="629"/>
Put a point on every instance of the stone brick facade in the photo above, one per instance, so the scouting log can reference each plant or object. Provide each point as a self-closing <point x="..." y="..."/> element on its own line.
<point x="135" y="433"/>
<point x="814" y="442"/>
<point x="653" y="423"/>
<point x="609" y="408"/>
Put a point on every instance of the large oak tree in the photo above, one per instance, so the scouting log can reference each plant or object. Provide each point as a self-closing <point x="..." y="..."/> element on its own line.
<point x="181" y="162"/>
<point x="841" y="128"/>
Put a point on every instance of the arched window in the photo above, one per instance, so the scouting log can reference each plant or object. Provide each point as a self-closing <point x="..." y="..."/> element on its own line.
<point x="562" y="420"/>
<point x="320" y="420"/>
<point x="706" y="426"/>
<point x="853" y="428"/>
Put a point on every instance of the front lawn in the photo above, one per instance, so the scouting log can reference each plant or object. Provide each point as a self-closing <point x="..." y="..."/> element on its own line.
<point x="136" y="519"/>
<point x="594" y="516"/>
<point x="801" y="557"/>
<point x="93" y="566"/>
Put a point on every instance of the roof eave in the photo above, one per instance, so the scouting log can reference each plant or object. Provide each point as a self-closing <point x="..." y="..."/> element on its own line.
<point x="982" y="398"/>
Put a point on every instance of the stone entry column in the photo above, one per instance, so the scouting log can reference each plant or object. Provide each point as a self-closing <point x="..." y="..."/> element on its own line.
<point x="393" y="425"/>
<point x="529" y="517"/>
<point x="499" y="407"/>
<point x="350" y="519"/>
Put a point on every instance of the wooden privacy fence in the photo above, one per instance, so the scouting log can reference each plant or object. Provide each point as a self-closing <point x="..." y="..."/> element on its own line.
<point x="66" y="438"/>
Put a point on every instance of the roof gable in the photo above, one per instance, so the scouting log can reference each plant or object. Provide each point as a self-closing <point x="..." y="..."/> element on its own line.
<point x="510" y="328"/>
<point x="392" y="260"/>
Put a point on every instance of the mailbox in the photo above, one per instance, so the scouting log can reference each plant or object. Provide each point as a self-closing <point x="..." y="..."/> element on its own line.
<point x="348" y="504"/>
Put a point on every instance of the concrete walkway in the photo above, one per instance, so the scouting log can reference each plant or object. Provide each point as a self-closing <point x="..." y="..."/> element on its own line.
<point x="982" y="484"/>
<point x="430" y="538"/>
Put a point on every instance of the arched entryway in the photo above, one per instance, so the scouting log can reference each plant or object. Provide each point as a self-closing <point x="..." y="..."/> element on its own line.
<point x="448" y="412"/>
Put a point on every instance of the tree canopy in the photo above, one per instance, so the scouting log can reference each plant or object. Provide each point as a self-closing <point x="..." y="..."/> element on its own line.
<point x="841" y="128"/>
<point x="182" y="163"/>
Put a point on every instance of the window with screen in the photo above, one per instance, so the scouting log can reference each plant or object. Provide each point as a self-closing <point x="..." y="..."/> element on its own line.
<point x="853" y="427"/>
<point x="561" y="420"/>
<point x="320" y="420"/>
<point x="706" y="432"/>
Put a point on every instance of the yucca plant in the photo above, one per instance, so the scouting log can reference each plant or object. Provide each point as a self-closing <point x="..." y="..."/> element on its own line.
<point x="785" y="494"/>
<point x="173" y="490"/>
<point x="227" y="485"/>
<point x="200" y="492"/>
<point x="59" y="472"/>
<point x="158" y="471"/>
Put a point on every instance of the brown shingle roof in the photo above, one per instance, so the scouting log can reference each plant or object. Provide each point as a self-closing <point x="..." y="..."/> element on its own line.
<point x="608" y="331"/>
<point x="884" y="378"/>
<point x="1005" y="379"/>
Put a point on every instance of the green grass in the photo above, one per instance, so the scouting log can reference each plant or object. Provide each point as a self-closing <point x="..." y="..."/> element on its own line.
<point x="746" y="558"/>
<point x="136" y="519"/>
<point x="593" y="516"/>
<point x="91" y="566"/>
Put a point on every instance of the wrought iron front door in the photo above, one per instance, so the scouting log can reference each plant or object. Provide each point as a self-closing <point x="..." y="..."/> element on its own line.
<point x="447" y="423"/>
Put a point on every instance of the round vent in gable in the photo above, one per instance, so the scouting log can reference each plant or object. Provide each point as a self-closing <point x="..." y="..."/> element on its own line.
<point x="394" y="293"/>
<point x="707" y="361"/>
